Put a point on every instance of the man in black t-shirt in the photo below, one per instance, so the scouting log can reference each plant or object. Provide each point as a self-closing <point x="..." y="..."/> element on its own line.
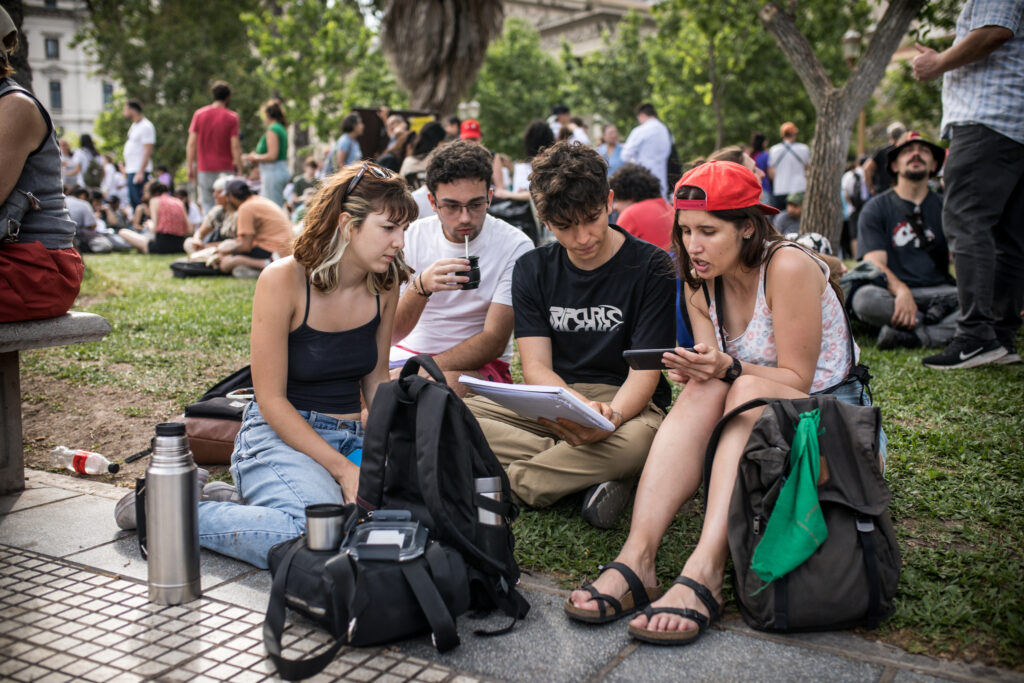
<point x="578" y="304"/>
<point x="900" y="231"/>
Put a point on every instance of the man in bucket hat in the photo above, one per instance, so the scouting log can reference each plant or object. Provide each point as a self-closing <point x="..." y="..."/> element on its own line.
<point x="900" y="231"/>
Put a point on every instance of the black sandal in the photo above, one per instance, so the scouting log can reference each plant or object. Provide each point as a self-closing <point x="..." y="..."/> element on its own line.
<point x="636" y="598"/>
<point x="680" y="637"/>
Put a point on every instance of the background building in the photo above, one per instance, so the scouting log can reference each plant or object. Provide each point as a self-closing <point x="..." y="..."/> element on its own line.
<point x="63" y="75"/>
<point x="578" y="22"/>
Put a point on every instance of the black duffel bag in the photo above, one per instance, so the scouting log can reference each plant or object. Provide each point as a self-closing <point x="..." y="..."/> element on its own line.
<point x="365" y="594"/>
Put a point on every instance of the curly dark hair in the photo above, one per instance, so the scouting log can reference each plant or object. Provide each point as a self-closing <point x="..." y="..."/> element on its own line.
<point x="569" y="184"/>
<point x="634" y="183"/>
<point x="538" y="136"/>
<point x="457" y="160"/>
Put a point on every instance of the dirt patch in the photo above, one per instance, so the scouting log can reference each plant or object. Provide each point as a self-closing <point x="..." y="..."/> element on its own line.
<point x="109" y="420"/>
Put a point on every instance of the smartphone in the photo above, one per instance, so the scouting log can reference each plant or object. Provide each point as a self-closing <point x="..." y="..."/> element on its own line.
<point x="647" y="359"/>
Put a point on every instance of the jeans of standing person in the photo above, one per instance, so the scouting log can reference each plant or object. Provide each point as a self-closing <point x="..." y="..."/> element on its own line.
<point x="273" y="177"/>
<point x="135" y="189"/>
<point x="983" y="218"/>
<point x="204" y="184"/>
<point x="277" y="483"/>
<point x="875" y="305"/>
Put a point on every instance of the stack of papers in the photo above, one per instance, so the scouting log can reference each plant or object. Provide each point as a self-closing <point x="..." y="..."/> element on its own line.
<point x="536" y="400"/>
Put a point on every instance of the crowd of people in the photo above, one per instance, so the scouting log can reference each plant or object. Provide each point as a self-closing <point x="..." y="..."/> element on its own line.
<point x="621" y="255"/>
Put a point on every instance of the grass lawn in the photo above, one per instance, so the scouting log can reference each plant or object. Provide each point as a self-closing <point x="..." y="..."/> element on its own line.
<point x="956" y="455"/>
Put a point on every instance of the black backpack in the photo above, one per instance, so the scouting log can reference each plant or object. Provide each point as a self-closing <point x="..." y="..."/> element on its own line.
<point x="423" y="451"/>
<point x="850" y="580"/>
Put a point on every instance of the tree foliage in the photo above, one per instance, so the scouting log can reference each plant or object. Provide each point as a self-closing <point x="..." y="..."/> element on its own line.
<point x="319" y="57"/>
<point x="612" y="81"/>
<point x="517" y="83"/>
<point x="167" y="53"/>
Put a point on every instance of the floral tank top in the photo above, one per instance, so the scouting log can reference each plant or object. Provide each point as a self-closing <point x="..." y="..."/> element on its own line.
<point x="757" y="343"/>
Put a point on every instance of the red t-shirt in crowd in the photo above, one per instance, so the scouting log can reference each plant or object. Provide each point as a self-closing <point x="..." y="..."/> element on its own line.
<point x="650" y="220"/>
<point x="214" y="127"/>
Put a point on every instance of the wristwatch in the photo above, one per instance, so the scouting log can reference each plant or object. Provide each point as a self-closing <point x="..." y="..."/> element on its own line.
<point x="733" y="371"/>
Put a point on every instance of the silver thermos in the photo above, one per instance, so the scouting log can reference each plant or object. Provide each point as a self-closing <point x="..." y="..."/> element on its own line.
<point x="489" y="487"/>
<point x="172" y="518"/>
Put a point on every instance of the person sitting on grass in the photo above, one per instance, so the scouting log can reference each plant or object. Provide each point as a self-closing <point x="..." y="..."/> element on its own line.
<point x="321" y="329"/>
<point x="169" y="222"/>
<point x="262" y="230"/>
<point x="578" y="303"/>
<point x="218" y="224"/>
<point x="782" y="334"/>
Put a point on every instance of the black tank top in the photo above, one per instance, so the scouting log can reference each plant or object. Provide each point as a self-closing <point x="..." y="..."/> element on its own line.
<point x="324" y="368"/>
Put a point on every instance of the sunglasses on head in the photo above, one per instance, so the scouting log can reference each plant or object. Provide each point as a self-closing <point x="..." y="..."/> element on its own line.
<point x="377" y="171"/>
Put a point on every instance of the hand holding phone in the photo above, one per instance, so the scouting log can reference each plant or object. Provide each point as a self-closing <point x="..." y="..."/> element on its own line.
<point x="647" y="359"/>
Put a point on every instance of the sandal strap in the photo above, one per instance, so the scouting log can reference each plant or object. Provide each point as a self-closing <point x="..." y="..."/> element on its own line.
<point x="636" y="586"/>
<point x="601" y="599"/>
<point x="691" y="614"/>
<point x="702" y="592"/>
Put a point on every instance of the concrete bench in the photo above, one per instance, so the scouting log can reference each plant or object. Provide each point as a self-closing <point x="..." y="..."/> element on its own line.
<point x="70" y="328"/>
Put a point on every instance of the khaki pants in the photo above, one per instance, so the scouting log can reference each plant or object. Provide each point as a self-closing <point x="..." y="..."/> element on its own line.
<point x="543" y="469"/>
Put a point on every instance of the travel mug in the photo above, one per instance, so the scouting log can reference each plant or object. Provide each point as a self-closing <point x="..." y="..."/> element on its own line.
<point x="489" y="487"/>
<point x="323" y="526"/>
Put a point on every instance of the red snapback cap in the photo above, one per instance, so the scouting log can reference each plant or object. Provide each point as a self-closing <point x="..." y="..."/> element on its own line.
<point x="726" y="184"/>
<point x="470" y="128"/>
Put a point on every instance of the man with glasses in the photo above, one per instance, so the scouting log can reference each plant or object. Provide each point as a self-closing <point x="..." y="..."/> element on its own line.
<point x="579" y="303"/>
<point x="467" y="331"/>
<point x="900" y="231"/>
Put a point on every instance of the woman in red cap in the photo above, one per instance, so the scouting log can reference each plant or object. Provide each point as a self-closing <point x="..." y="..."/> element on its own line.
<point x="766" y="324"/>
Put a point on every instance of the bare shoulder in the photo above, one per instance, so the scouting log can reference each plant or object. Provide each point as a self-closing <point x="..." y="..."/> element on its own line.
<point x="21" y="116"/>
<point x="793" y="265"/>
<point x="283" y="277"/>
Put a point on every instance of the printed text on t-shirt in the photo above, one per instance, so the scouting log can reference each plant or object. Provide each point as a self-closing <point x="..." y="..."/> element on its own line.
<point x="594" y="318"/>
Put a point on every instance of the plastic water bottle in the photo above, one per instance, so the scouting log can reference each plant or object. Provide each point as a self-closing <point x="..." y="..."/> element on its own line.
<point x="83" y="462"/>
<point x="172" y="518"/>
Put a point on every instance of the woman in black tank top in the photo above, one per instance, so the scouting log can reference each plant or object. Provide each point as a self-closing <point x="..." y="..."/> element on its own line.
<point x="321" y="331"/>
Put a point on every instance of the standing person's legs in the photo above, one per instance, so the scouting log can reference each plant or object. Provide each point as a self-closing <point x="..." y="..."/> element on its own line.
<point x="1009" y="277"/>
<point x="983" y="169"/>
<point x="273" y="178"/>
<point x="204" y="185"/>
<point x="135" y="189"/>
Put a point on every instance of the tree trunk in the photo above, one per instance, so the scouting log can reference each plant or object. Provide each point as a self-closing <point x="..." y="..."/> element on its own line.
<point x="19" y="60"/>
<point x="836" y="109"/>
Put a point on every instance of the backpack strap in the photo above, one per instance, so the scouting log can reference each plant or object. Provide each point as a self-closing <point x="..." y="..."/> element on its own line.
<point x="273" y="627"/>
<point x="444" y="635"/>
<point x="375" y="445"/>
<point x="709" y="454"/>
<point x="423" y="360"/>
<point x="865" y="534"/>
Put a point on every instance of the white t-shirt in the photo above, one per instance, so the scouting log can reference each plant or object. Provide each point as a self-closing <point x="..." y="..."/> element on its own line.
<point x="789" y="159"/>
<point x="451" y="318"/>
<point x="649" y="145"/>
<point x="140" y="133"/>
<point x="521" y="176"/>
<point x="423" y="202"/>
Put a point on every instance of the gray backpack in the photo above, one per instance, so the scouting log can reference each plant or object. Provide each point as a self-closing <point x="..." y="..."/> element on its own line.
<point x="851" y="579"/>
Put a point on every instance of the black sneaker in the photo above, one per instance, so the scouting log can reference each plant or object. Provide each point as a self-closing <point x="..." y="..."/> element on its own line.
<point x="892" y="338"/>
<point x="963" y="352"/>
<point x="603" y="503"/>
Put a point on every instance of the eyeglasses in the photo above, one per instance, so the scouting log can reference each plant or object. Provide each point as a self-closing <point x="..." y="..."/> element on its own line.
<point x="377" y="171"/>
<point x="451" y="209"/>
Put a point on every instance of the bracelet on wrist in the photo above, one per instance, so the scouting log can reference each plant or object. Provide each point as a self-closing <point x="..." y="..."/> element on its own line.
<point x="621" y="418"/>
<point x="420" y="289"/>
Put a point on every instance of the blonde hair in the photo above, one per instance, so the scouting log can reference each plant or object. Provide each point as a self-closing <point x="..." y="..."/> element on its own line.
<point x="322" y="243"/>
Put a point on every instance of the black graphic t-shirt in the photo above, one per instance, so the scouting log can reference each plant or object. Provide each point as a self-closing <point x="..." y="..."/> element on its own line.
<point x="592" y="316"/>
<point x="911" y="237"/>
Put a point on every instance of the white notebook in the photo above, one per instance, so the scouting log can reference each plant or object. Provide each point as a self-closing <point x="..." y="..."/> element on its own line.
<point x="536" y="400"/>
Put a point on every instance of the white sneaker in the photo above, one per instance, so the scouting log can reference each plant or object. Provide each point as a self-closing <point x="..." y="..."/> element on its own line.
<point x="222" y="492"/>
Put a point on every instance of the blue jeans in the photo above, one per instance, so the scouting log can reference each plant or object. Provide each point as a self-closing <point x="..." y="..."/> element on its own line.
<point x="854" y="394"/>
<point x="135" y="189"/>
<point x="277" y="483"/>
<point x="273" y="177"/>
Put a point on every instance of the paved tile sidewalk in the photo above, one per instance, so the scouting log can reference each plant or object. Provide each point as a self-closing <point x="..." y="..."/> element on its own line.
<point x="73" y="606"/>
